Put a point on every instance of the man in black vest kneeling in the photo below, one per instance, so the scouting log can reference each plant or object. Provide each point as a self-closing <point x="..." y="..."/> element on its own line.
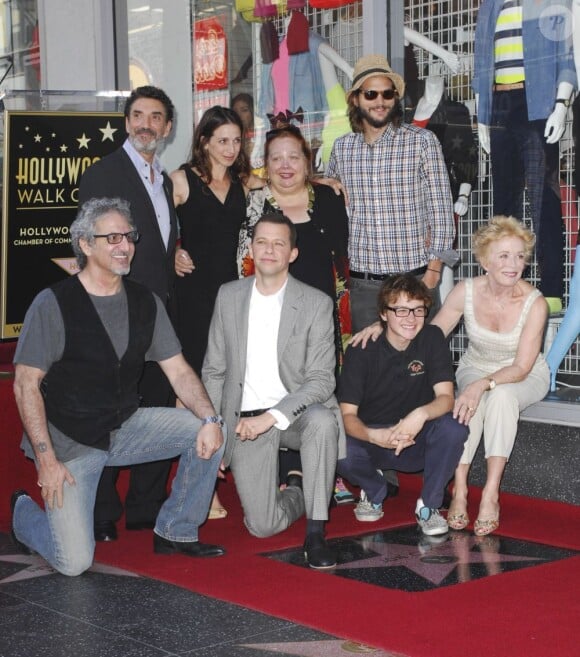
<point x="80" y="354"/>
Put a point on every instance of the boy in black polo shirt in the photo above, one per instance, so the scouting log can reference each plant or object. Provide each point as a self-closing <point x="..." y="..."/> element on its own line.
<point x="396" y="397"/>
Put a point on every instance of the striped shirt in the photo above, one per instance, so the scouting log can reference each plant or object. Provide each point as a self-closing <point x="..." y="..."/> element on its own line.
<point x="400" y="206"/>
<point x="509" y="44"/>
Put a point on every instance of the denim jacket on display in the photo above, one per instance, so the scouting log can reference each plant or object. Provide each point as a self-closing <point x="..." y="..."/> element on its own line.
<point x="548" y="55"/>
<point x="305" y="81"/>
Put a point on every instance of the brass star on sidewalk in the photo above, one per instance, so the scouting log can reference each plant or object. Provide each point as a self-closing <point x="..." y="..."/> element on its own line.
<point x="431" y="561"/>
<point x="35" y="566"/>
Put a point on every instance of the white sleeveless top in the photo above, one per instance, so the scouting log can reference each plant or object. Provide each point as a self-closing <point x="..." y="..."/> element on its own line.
<point x="488" y="350"/>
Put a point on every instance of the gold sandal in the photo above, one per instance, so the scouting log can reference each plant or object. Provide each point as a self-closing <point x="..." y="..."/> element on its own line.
<point x="485" y="527"/>
<point x="457" y="520"/>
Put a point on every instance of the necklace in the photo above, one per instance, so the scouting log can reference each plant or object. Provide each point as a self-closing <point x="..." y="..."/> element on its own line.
<point x="501" y="302"/>
<point x="274" y="203"/>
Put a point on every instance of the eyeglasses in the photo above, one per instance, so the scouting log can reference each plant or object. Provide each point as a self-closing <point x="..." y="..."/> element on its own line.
<point x="116" y="238"/>
<point x="420" y="311"/>
<point x="372" y="94"/>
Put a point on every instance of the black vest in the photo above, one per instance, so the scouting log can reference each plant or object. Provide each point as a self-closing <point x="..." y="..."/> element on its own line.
<point x="89" y="391"/>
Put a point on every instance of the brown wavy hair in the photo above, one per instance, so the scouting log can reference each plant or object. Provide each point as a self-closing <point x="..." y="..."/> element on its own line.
<point x="406" y="284"/>
<point x="212" y="119"/>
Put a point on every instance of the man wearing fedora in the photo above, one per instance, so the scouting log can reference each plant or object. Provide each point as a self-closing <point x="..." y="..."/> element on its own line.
<point x="400" y="204"/>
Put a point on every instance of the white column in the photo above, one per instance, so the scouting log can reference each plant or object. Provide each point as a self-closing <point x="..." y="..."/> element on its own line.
<point x="177" y="78"/>
<point x="77" y="48"/>
<point x="85" y="47"/>
<point x="383" y="31"/>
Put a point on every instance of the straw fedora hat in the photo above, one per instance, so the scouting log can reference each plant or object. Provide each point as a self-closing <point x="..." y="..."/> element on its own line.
<point x="370" y="65"/>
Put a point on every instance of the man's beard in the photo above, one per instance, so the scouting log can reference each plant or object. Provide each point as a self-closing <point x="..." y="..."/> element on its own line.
<point x="378" y="123"/>
<point x="121" y="270"/>
<point x="146" y="147"/>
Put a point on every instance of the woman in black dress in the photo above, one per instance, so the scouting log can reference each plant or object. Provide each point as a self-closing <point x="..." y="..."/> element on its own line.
<point x="209" y="193"/>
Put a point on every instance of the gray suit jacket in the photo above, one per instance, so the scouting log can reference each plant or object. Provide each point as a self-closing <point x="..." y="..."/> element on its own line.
<point x="306" y="353"/>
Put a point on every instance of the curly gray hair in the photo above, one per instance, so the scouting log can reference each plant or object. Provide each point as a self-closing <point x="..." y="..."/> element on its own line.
<point x="83" y="227"/>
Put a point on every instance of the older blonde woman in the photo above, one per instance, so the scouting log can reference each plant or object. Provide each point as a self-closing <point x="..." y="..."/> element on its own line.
<point x="502" y="372"/>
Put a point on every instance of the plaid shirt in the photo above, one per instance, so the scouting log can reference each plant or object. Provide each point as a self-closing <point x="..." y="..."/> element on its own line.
<point x="400" y="206"/>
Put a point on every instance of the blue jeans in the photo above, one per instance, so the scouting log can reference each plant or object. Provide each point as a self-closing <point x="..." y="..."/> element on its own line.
<point x="520" y="157"/>
<point x="65" y="536"/>
<point x="437" y="449"/>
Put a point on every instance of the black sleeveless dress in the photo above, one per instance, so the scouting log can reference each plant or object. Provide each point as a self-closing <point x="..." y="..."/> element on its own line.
<point x="209" y="233"/>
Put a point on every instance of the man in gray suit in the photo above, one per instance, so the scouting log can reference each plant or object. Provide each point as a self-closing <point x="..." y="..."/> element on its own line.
<point x="269" y="370"/>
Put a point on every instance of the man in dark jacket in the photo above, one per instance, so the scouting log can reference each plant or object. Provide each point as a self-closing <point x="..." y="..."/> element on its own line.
<point x="134" y="173"/>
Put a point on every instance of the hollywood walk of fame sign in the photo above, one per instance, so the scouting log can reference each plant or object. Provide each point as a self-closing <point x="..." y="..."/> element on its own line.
<point x="45" y="155"/>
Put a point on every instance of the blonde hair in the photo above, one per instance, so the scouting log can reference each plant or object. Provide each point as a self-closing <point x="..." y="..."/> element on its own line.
<point x="499" y="227"/>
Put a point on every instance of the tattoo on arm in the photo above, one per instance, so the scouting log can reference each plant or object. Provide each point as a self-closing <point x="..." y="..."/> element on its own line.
<point x="41" y="447"/>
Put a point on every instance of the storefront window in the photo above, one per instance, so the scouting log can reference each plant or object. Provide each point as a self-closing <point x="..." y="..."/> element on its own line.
<point x="222" y="54"/>
<point x="19" y="45"/>
<point x="145" y="43"/>
<point x="283" y="66"/>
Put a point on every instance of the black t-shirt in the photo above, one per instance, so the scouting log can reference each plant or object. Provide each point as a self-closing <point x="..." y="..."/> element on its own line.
<point x="387" y="384"/>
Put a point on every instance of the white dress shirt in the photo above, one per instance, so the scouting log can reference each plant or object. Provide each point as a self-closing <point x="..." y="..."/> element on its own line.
<point x="263" y="387"/>
<point x="154" y="188"/>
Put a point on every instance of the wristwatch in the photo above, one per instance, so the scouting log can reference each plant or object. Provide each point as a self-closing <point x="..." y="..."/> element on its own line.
<point x="564" y="101"/>
<point x="213" y="419"/>
<point x="492" y="383"/>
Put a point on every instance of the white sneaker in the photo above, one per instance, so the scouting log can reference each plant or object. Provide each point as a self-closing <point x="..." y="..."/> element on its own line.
<point x="366" y="511"/>
<point x="432" y="523"/>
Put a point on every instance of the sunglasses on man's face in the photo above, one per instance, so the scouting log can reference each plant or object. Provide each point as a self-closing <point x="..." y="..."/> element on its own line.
<point x="372" y="94"/>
